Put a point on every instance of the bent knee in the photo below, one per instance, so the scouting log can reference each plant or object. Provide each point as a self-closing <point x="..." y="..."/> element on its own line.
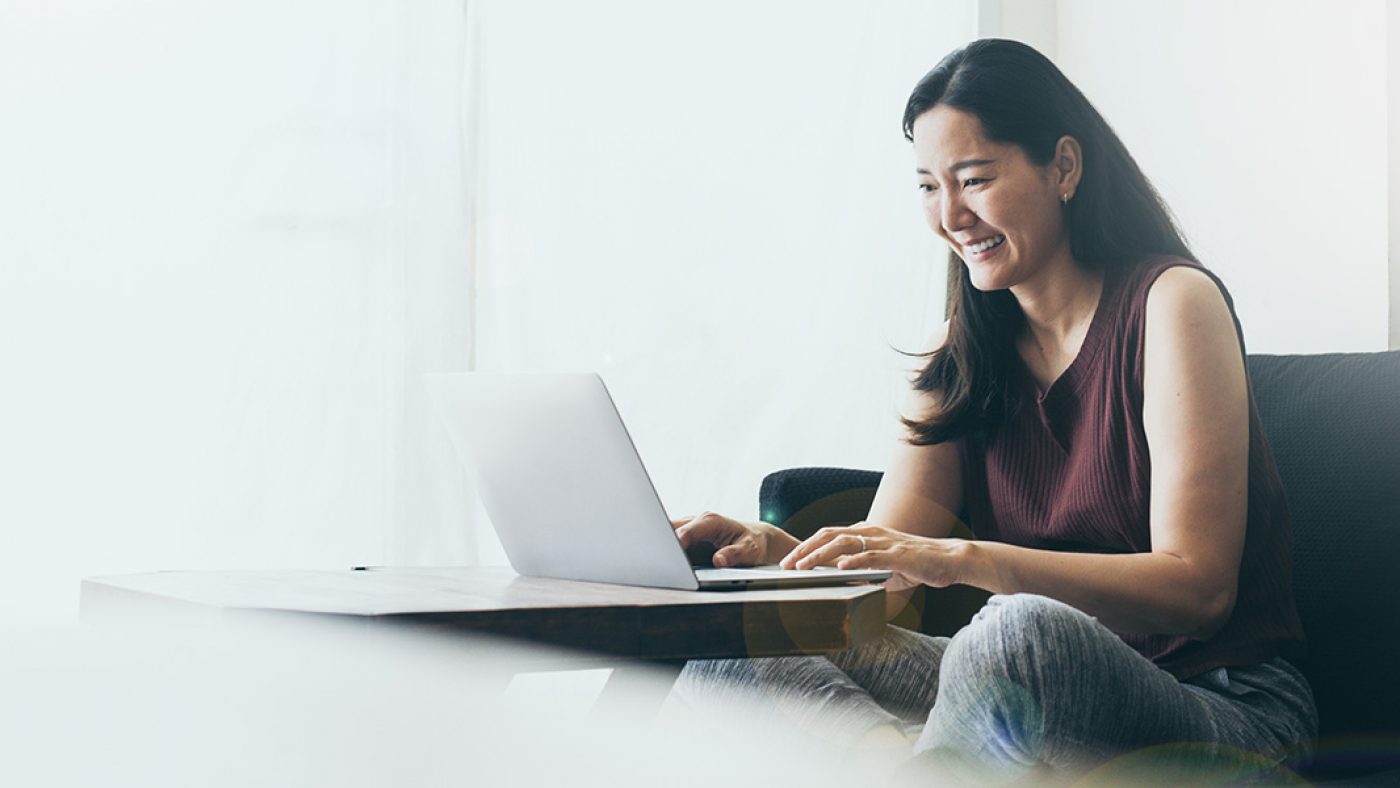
<point x="1028" y="615"/>
<point x="1012" y="628"/>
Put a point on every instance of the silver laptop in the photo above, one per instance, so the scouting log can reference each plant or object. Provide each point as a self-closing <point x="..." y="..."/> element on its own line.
<point x="566" y="490"/>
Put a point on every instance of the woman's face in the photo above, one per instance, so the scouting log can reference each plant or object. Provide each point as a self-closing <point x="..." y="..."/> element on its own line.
<point x="1000" y="212"/>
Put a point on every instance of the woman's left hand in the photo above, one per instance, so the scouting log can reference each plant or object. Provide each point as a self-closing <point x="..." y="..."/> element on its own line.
<point x="914" y="559"/>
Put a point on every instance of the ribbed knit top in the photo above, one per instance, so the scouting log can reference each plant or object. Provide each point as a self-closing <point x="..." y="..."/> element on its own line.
<point x="1071" y="470"/>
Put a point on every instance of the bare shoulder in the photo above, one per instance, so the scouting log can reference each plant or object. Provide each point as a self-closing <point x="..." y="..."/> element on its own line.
<point x="1182" y="295"/>
<point x="1190" y="337"/>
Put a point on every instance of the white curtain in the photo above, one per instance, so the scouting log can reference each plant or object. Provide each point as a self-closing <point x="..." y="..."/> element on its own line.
<point x="711" y="204"/>
<point x="232" y="237"/>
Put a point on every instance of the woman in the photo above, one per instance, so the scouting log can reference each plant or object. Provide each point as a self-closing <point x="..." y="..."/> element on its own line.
<point x="1087" y="405"/>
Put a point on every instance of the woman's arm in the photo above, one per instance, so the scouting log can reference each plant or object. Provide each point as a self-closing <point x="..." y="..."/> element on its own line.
<point x="920" y="492"/>
<point x="1195" y="413"/>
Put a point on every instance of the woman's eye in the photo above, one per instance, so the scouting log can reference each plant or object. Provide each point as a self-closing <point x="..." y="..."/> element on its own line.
<point x="974" y="181"/>
<point x="927" y="187"/>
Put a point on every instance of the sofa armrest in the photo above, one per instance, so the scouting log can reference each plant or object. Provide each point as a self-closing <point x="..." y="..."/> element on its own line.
<point x="802" y="500"/>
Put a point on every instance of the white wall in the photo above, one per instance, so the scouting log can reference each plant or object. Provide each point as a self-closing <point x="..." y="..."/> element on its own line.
<point x="714" y="206"/>
<point x="1392" y="26"/>
<point x="1264" y="125"/>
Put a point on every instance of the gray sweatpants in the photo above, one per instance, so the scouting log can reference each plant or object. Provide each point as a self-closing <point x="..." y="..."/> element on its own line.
<point x="1029" y="683"/>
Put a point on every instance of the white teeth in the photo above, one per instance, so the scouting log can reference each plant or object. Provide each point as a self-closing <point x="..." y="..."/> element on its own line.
<point x="985" y="245"/>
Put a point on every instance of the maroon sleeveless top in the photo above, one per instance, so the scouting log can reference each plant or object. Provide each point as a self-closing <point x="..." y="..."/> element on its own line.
<point x="1070" y="470"/>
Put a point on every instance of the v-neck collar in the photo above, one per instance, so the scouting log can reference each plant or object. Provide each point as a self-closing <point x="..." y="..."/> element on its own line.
<point x="1072" y="376"/>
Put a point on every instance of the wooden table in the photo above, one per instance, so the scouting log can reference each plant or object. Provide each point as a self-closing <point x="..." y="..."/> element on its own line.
<point x="604" y="625"/>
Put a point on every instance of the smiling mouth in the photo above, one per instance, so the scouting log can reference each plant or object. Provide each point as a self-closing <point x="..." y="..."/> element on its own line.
<point x="985" y="246"/>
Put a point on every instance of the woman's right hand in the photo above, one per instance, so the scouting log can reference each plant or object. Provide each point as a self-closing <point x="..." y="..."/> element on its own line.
<point x="711" y="538"/>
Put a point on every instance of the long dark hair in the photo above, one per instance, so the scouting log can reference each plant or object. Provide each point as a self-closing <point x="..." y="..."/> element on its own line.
<point x="1115" y="220"/>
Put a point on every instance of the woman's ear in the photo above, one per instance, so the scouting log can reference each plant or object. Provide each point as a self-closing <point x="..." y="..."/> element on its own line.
<point x="1069" y="165"/>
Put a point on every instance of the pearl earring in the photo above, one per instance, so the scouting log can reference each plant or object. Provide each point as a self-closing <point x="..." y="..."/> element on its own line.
<point x="1064" y="199"/>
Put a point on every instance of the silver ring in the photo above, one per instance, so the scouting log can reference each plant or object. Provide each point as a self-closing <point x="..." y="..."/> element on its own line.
<point x="862" y="542"/>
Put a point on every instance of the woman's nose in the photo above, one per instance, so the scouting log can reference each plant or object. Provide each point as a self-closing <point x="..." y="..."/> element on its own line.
<point x="954" y="214"/>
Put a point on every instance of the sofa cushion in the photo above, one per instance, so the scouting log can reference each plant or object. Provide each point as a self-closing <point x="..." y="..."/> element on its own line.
<point x="1333" y="423"/>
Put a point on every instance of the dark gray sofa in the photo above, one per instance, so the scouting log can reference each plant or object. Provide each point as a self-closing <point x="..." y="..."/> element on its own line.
<point x="1333" y="422"/>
